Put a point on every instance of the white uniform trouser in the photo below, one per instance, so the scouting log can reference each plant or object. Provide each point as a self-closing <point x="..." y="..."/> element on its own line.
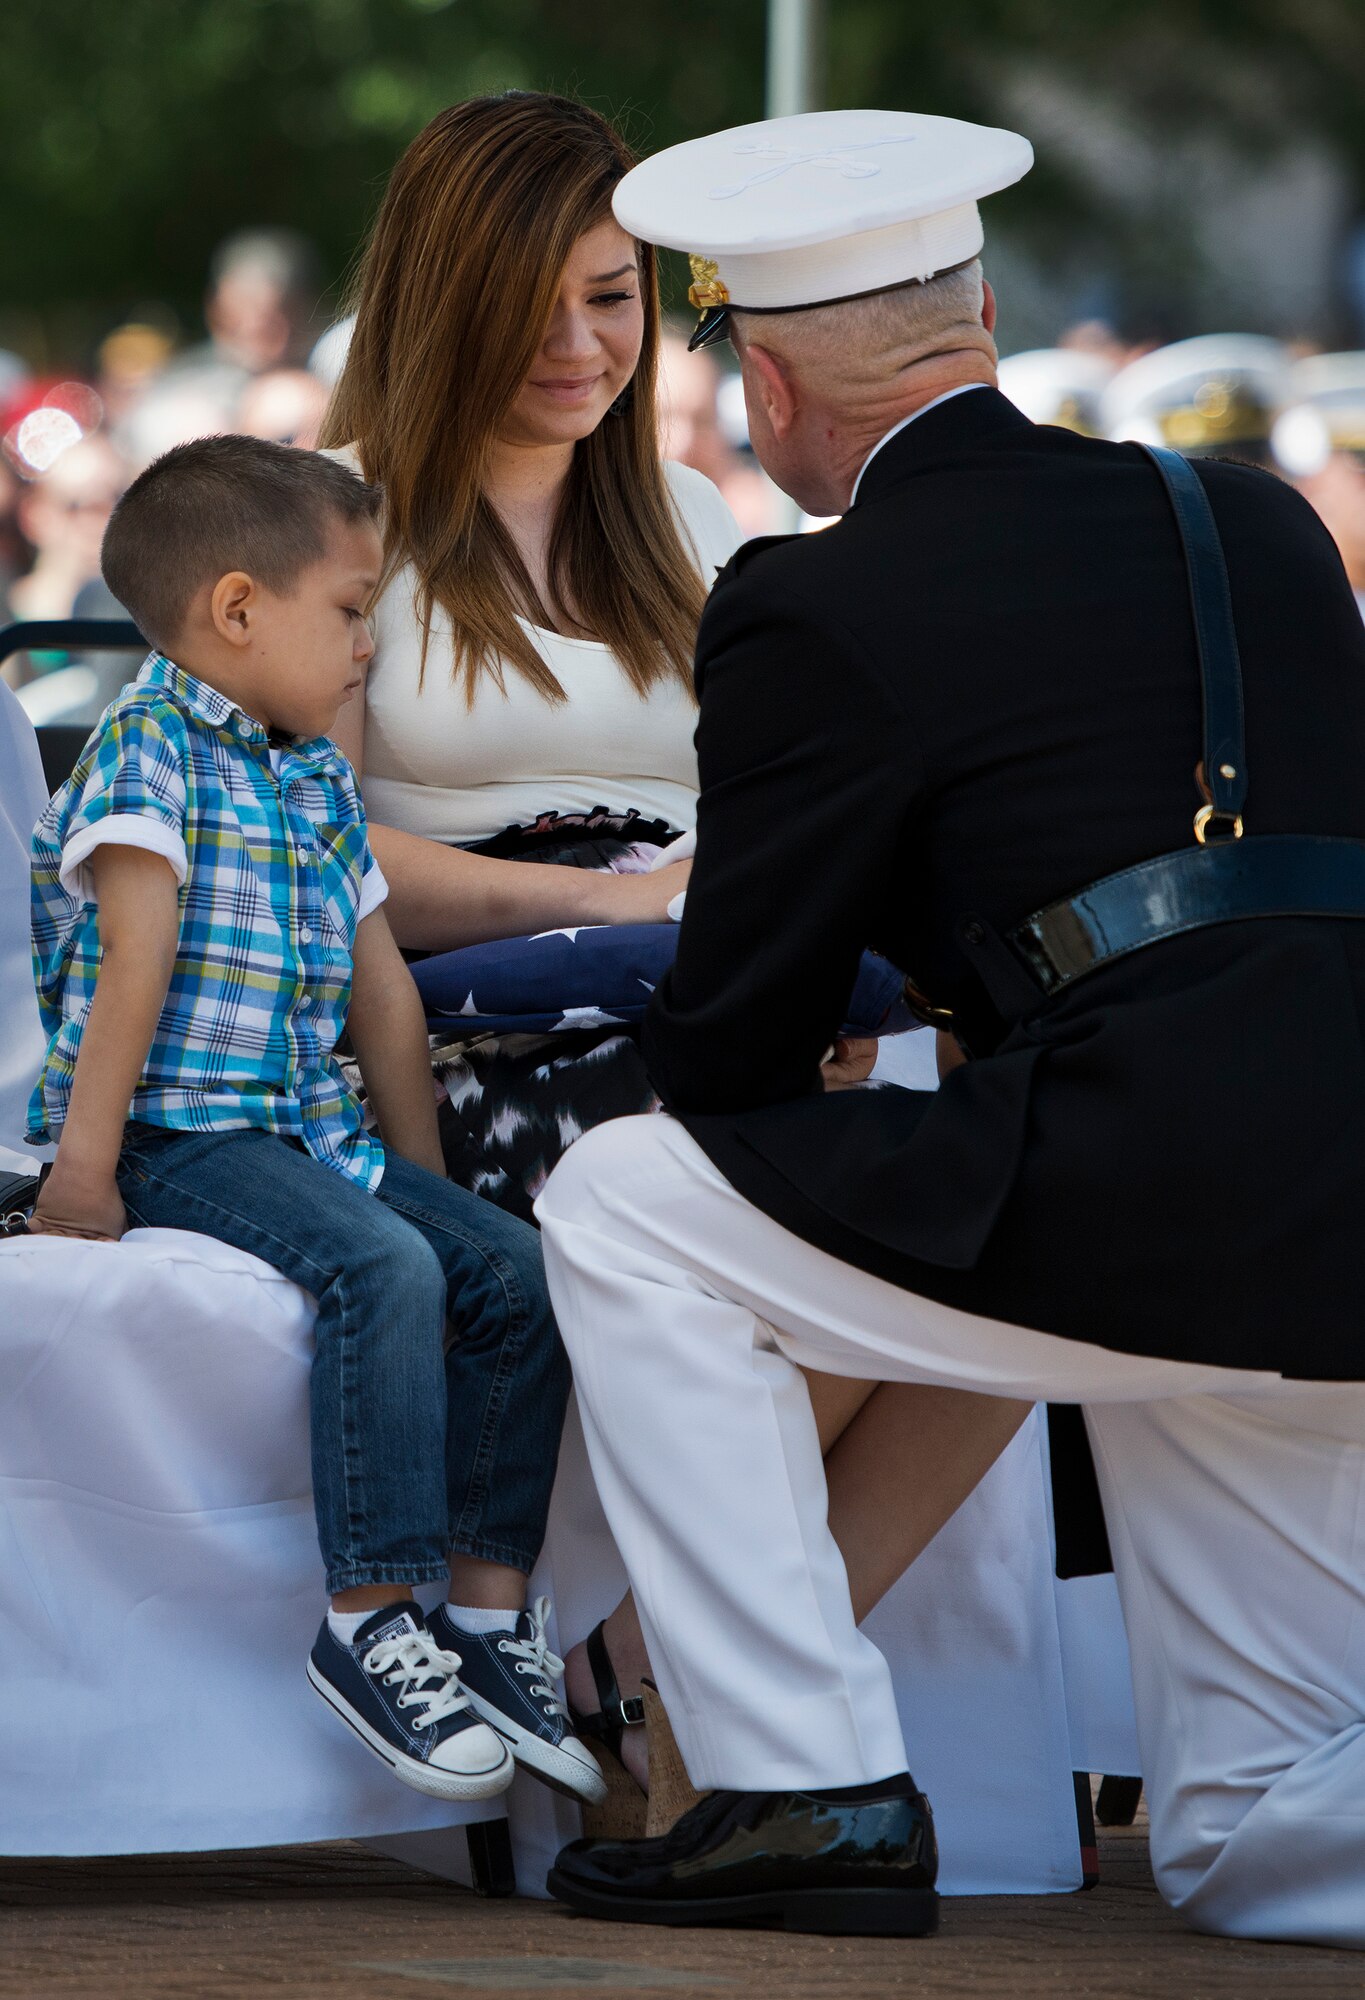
<point x="1236" y="1508"/>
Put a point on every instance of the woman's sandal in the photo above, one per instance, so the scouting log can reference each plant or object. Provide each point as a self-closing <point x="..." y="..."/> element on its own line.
<point x="622" y="1814"/>
<point x="671" y="1791"/>
<point x="627" y="1813"/>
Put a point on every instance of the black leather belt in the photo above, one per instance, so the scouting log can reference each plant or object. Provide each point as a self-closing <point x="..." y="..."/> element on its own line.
<point x="1277" y="875"/>
<point x="1222" y="879"/>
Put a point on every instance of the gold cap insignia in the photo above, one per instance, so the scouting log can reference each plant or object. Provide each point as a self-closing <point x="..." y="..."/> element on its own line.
<point x="706" y="289"/>
<point x="1220" y="412"/>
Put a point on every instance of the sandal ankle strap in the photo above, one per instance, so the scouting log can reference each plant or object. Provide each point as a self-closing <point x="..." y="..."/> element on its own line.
<point x="618" y="1712"/>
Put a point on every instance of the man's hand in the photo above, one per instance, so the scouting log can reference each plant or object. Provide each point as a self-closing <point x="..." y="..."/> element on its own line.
<point x="948" y="1054"/>
<point x="77" y="1203"/>
<point x="852" y="1062"/>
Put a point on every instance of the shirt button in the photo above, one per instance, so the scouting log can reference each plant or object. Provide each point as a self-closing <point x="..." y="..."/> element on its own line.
<point x="243" y="726"/>
<point x="305" y="935"/>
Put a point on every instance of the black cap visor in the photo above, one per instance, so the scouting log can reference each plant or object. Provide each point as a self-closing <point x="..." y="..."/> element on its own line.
<point x="713" y="325"/>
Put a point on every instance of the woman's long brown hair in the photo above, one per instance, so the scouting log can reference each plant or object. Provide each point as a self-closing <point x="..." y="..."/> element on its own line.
<point x="453" y="294"/>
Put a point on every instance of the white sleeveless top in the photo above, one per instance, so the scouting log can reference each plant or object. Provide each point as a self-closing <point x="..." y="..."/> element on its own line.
<point x="436" y="766"/>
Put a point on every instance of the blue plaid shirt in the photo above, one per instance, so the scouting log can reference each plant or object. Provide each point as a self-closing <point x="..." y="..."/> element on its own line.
<point x="271" y="871"/>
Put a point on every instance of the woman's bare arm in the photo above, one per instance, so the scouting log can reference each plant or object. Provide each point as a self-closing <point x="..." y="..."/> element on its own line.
<point x="441" y="897"/>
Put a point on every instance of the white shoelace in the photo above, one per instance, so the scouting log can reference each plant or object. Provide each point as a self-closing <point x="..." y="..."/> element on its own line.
<point x="413" y="1660"/>
<point x="533" y="1656"/>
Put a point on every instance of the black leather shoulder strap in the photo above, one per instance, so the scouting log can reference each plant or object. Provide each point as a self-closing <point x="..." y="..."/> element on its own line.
<point x="1220" y="666"/>
<point x="1223" y="880"/>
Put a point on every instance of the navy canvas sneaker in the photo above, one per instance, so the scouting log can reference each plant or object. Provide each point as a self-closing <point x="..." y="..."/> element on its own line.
<point x="510" y="1678"/>
<point x="402" y="1696"/>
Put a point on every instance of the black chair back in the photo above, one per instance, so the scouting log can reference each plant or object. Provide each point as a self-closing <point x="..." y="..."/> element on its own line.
<point x="61" y="743"/>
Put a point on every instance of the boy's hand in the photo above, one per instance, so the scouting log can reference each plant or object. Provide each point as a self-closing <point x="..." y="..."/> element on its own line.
<point x="76" y="1204"/>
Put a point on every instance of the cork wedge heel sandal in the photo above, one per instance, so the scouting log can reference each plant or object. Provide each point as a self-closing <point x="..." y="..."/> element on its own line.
<point x="623" y="1813"/>
<point x="671" y="1791"/>
<point x="627" y="1812"/>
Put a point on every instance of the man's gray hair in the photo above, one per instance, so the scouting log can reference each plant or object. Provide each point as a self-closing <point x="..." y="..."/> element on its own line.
<point x="883" y="332"/>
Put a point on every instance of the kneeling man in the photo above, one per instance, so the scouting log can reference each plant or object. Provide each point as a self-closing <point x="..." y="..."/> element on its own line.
<point x="1076" y="734"/>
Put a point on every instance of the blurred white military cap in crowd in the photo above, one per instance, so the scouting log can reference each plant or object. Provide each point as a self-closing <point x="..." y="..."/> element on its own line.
<point x="1057" y="385"/>
<point x="1215" y="395"/>
<point x="328" y="357"/>
<point x="820" y="207"/>
<point x="1326" y="416"/>
<point x="1334" y="386"/>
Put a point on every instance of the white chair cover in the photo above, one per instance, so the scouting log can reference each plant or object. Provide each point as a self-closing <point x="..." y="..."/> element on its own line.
<point x="22" y="797"/>
<point x="160" y="1582"/>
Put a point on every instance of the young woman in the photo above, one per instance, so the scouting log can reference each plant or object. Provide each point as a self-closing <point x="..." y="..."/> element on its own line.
<point x="526" y="738"/>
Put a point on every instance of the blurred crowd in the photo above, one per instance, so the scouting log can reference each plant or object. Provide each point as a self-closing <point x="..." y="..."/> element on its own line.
<point x="1283" y="406"/>
<point x="69" y="447"/>
<point x="266" y="365"/>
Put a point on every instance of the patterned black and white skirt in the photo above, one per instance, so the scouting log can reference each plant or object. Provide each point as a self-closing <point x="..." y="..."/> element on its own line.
<point x="509" y="1106"/>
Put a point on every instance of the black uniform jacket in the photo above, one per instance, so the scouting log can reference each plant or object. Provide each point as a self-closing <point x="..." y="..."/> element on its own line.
<point x="975" y="693"/>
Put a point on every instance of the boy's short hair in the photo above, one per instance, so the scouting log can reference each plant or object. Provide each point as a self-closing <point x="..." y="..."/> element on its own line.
<point x="219" y="504"/>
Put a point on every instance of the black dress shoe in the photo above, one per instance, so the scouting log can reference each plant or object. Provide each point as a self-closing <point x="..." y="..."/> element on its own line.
<point x="800" y="1861"/>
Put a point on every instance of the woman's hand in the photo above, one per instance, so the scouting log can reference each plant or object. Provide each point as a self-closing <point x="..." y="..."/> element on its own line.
<point x="852" y="1062"/>
<point x="634" y="899"/>
<point x="441" y="898"/>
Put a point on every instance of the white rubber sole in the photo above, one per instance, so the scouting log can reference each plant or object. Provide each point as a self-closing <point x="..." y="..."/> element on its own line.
<point x="559" y="1769"/>
<point x="422" y="1777"/>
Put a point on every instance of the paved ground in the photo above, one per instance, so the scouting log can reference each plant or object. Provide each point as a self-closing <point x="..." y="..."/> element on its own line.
<point x="337" y="1923"/>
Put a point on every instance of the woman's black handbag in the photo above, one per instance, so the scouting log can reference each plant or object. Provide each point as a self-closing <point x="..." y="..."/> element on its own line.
<point x="18" y="1192"/>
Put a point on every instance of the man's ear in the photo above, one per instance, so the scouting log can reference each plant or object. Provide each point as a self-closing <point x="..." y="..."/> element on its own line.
<point x="774" y="386"/>
<point x="987" y="306"/>
<point x="233" y="606"/>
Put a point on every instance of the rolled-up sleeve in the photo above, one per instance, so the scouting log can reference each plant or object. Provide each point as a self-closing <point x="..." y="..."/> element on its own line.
<point x="134" y="795"/>
<point x="373" y="887"/>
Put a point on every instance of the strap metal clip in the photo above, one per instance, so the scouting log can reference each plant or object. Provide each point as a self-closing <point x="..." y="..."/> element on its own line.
<point x="924" y="1009"/>
<point x="1215" y="826"/>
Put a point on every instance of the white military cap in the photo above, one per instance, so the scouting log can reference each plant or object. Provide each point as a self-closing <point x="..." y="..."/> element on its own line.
<point x="1057" y="385"/>
<point x="825" y="206"/>
<point x="1333" y="385"/>
<point x="1216" y="394"/>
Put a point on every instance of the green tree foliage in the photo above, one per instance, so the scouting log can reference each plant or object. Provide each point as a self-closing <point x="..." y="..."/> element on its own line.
<point x="139" y="133"/>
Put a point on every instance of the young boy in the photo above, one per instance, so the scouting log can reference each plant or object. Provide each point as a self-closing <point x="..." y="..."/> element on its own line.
<point x="206" y="919"/>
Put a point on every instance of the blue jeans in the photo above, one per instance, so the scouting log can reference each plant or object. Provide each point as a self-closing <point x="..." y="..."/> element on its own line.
<point x="420" y="1445"/>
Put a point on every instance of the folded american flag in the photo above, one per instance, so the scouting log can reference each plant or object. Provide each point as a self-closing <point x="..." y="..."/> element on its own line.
<point x="593" y="976"/>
